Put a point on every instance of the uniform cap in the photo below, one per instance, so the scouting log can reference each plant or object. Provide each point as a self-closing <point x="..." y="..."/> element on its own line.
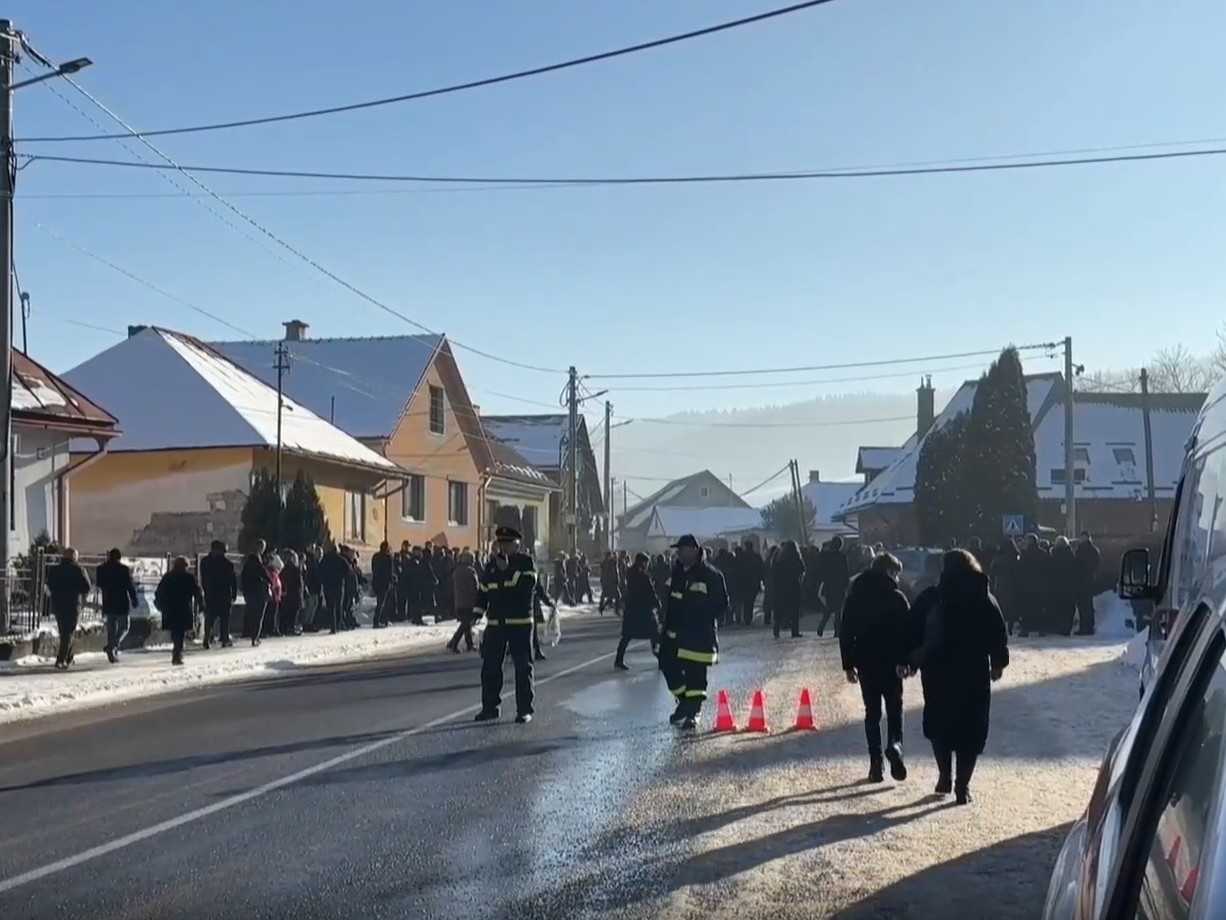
<point x="507" y="533"/>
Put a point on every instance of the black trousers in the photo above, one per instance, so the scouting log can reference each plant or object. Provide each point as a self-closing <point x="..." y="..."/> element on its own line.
<point x="253" y="621"/>
<point x="66" y="622"/>
<point x="834" y="608"/>
<point x="966" y="760"/>
<point x="177" y="636"/>
<point x="745" y="603"/>
<point x="787" y="614"/>
<point x="1085" y="612"/>
<point x="687" y="680"/>
<point x="336" y="608"/>
<point x="217" y="611"/>
<point x="874" y="688"/>
<point x="498" y="641"/>
<point x="382" y="604"/>
<point x="464" y="630"/>
<point x="625" y="643"/>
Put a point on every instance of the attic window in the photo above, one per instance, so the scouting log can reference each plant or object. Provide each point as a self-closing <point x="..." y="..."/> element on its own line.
<point x="1081" y="455"/>
<point x="1125" y="455"/>
<point x="437" y="416"/>
<point x="704" y="492"/>
<point x="1058" y="479"/>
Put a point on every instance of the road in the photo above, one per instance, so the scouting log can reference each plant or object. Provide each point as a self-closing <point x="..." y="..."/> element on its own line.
<point x="367" y="791"/>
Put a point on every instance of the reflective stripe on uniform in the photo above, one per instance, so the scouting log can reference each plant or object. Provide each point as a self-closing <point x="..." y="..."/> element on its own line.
<point x="679" y="692"/>
<point x="671" y="634"/>
<point x="699" y="586"/>
<point x="686" y="654"/>
<point x="513" y="621"/>
<point x="695" y="694"/>
<point x="676" y="594"/>
<point x="515" y="578"/>
<point x="490" y="586"/>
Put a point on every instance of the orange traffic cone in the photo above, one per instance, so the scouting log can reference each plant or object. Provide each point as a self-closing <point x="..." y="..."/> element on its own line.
<point x="804" y="713"/>
<point x="757" y="713"/>
<point x="723" y="714"/>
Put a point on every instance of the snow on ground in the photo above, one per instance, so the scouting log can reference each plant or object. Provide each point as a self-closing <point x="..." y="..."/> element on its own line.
<point x="31" y="687"/>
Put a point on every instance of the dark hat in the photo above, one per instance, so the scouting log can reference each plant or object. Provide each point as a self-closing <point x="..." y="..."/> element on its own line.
<point x="687" y="540"/>
<point x="507" y="533"/>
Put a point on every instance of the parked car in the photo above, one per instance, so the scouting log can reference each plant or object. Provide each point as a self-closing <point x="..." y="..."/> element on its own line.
<point x="1150" y="843"/>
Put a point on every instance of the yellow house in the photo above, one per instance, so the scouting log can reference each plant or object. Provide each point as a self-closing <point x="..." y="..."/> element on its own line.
<point x="404" y="397"/>
<point x="198" y="428"/>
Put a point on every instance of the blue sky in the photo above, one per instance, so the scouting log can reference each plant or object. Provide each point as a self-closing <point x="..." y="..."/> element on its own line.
<point x="1124" y="258"/>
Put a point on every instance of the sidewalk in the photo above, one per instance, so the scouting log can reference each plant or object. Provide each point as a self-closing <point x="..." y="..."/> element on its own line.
<point x="31" y="687"/>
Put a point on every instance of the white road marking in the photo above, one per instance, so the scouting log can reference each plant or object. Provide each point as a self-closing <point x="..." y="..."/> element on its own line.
<point x="119" y="843"/>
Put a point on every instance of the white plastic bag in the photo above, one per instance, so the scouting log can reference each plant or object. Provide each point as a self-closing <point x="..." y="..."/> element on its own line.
<point x="553" y="627"/>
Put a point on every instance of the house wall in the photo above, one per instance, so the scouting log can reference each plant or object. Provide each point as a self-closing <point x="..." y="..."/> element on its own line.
<point x="440" y="459"/>
<point x="501" y="495"/>
<point x="38" y="456"/>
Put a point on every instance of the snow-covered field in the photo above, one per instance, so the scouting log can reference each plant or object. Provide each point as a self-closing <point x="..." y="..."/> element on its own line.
<point x="31" y="687"/>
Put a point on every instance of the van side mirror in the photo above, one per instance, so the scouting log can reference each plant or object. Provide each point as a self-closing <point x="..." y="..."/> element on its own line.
<point x="1134" y="576"/>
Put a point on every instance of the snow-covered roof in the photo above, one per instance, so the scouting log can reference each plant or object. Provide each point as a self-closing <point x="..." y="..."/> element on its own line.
<point x="174" y="391"/>
<point x="827" y="498"/>
<point x="674" y="521"/>
<point x="509" y="463"/>
<point x="370" y="379"/>
<point x="39" y="395"/>
<point x="538" y="438"/>
<point x="876" y="458"/>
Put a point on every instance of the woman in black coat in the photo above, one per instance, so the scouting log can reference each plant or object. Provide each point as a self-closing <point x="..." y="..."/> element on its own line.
<point x="639" y="612"/>
<point x="960" y="646"/>
<point x="293" y="595"/>
<point x="787" y="575"/>
<point x="176" y="593"/>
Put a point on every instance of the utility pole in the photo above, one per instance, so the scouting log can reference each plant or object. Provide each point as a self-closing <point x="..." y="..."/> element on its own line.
<point x="608" y="483"/>
<point x="1070" y="471"/>
<point x="8" y="51"/>
<point x="801" y="524"/>
<point x="572" y="446"/>
<point x="281" y="367"/>
<point x="1149" y="453"/>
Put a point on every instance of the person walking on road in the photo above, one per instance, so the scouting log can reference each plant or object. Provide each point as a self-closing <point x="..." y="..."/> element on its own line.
<point x="508" y="584"/>
<point x="68" y="586"/>
<point x="750" y="571"/>
<point x="257" y="591"/>
<point x="1065" y="584"/>
<point x="960" y="646"/>
<point x="465" y="586"/>
<point x="176" y="594"/>
<point x="220" y="586"/>
<point x="118" y="599"/>
<point x="584" y="591"/>
<point x="610" y="593"/>
<point x="697" y="603"/>
<point x="834" y="576"/>
<point x="639" y="611"/>
<point x="383" y="581"/>
<point x="787" y="574"/>
<point x="1004" y="576"/>
<point x="768" y="586"/>
<point x="874" y="646"/>
<point x="333" y="570"/>
<point x="1088" y="560"/>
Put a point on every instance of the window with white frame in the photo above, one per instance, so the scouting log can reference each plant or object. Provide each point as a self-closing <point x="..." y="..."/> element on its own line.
<point x="457" y="503"/>
<point x="355" y="516"/>
<point x="413" y="499"/>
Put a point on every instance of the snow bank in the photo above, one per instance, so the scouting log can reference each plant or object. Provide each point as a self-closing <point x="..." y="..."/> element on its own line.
<point x="1113" y="617"/>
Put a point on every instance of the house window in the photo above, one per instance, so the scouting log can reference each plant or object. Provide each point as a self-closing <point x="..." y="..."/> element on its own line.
<point x="437" y="416"/>
<point x="1124" y="455"/>
<point x="413" y="499"/>
<point x="1057" y="475"/>
<point x="457" y="503"/>
<point x="1081" y="455"/>
<point x="355" y="516"/>
<point x="704" y="492"/>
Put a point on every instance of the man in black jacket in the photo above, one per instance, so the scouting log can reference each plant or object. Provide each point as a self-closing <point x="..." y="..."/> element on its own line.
<point x="835" y="575"/>
<point x="383" y="581"/>
<point x="176" y="594"/>
<point x="333" y="570"/>
<point x="508" y="584"/>
<point x="874" y="644"/>
<point x="68" y="585"/>
<point x="750" y="571"/>
<point x="118" y="598"/>
<point x="1088" y="560"/>
<point x="220" y="586"/>
<point x="697" y="604"/>
<point x="257" y="592"/>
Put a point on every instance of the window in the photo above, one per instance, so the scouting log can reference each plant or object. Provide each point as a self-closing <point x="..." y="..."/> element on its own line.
<point x="438" y="418"/>
<point x="1081" y="455"/>
<point x="457" y="503"/>
<point x="1182" y="831"/>
<point x="1057" y="475"/>
<point x="355" y="516"/>
<point x="413" y="499"/>
<point x="1124" y="455"/>
<point x="529" y="515"/>
<point x="704" y="492"/>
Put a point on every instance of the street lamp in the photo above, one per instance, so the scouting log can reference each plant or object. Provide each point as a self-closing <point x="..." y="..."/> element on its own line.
<point x="66" y="69"/>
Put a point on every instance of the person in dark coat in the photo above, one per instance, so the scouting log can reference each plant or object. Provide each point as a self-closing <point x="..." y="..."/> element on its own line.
<point x="1088" y="560"/>
<point x="750" y="570"/>
<point x="661" y="572"/>
<point x="293" y="594"/>
<point x="583" y="593"/>
<point x="333" y="570"/>
<point x="811" y="596"/>
<point x="835" y="576"/>
<point x="610" y="590"/>
<point x="465" y="586"/>
<point x="874" y="643"/>
<point x="383" y="581"/>
<point x="355" y="581"/>
<point x="257" y="592"/>
<point x="313" y="589"/>
<point x="1029" y="591"/>
<point x="220" y="586"/>
<point x="639" y="614"/>
<point x="421" y="577"/>
<point x="118" y="599"/>
<point x="725" y="564"/>
<point x="1005" y="573"/>
<point x="176" y="593"/>
<point x="768" y="586"/>
<point x="787" y="574"/>
<point x="508" y="585"/>
<point x="1064" y="585"/>
<point x="443" y="566"/>
<point x="68" y="585"/>
<point x="960" y="644"/>
<point x="697" y="603"/>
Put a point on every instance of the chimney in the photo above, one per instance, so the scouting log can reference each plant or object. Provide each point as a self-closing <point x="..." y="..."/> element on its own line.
<point x="295" y="330"/>
<point x="815" y="475"/>
<point x="136" y="330"/>
<point x="925" y="410"/>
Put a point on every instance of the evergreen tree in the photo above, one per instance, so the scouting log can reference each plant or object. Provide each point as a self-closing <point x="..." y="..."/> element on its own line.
<point x="260" y="512"/>
<point x="998" y="459"/>
<point x="941" y="509"/>
<point x="304" y="522"/>
<point x="780" y="517"/>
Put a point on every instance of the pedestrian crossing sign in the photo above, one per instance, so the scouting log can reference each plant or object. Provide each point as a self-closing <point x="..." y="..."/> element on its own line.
<point x="1014" y="525"/>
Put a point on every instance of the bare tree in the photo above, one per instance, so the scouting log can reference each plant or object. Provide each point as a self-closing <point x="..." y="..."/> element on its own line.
<point x="1177" y="370"/>
<point x="1218" y="358"/>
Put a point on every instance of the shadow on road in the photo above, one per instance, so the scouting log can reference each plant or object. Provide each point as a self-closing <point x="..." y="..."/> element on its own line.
<point x="409" y="767"/>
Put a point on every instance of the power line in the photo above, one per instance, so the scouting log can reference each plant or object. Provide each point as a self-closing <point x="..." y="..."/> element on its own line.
<point x="590" y="181"/>
<point x="826" y="424"/>
<point x="783" y="469"/>
<point x="460" y="87"/>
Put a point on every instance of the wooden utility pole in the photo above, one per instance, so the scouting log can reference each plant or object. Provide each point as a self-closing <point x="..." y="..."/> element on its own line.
<point x="1150" y="492"/>
<point x="608" y="483"/>
<point x="572" y="484"/>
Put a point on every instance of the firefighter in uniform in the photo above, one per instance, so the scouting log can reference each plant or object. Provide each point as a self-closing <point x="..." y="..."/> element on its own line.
<point x="507" y="585"/>
<point x="697" y="599"/>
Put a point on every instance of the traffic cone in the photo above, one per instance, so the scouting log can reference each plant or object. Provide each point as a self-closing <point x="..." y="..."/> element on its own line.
<point x="804" y="713"/>
<point x="723" y="714"/>
<point x="757" y="713"/>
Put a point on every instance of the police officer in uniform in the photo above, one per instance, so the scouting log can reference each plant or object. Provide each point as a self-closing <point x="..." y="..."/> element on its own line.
<point x="507" y="586"/>
<point x="697" y="600"/>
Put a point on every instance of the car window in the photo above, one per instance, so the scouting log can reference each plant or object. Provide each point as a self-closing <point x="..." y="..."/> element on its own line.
<point x="1197" y="515"/>
<point x="1185" y="800"/>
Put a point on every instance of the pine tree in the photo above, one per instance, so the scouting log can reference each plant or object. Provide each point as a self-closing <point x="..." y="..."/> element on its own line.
<point x="998" y="456"/>
<point x="304" y="522"/>
<point x="941" y="508"/>
<point x="780" y="517"/>
<point x="260" y="512"/>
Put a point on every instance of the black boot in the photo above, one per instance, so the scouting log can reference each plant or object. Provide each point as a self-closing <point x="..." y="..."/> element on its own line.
<point x="679" y="714"/>
<point x="898" y="769"/>
<point x="486" y="715"/>
<point x="876" y="774"/>
<point x="945" y="785"/>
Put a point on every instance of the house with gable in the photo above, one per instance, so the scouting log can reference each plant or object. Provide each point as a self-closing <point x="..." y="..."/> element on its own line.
<point x="404" y="397"/>
<point x="701" y="504"/>
<point x="196" y="429"/>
